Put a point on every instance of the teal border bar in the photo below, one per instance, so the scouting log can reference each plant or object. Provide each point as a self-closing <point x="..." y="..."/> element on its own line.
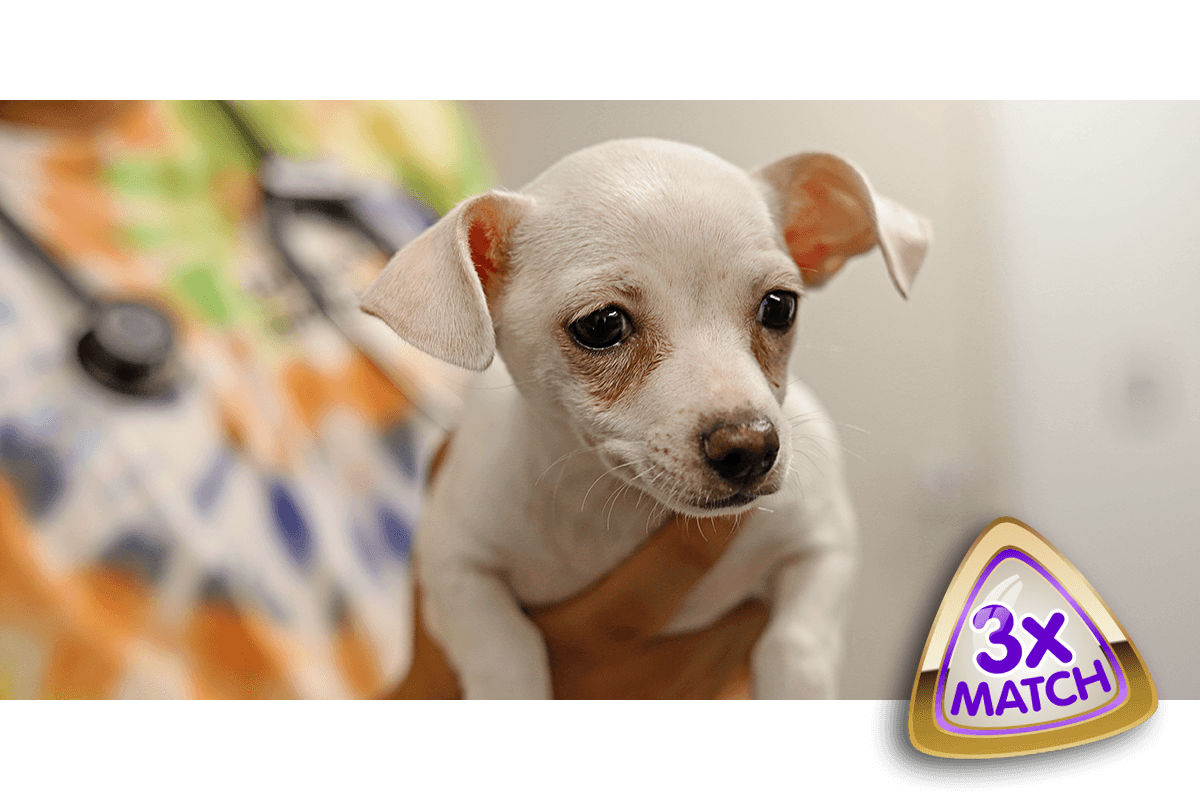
<point x="498" y="750"/>
<point x="355" y="49"/>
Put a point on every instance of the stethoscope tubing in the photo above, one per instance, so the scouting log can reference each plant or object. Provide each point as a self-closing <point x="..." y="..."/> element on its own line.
<point x="49" y="264"/>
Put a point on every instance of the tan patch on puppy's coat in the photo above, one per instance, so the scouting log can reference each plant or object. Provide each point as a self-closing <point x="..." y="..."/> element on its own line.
<point x="610" y="374"/>
<point x="771" y="349"/>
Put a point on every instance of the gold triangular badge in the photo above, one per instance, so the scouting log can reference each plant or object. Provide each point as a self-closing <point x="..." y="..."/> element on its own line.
<point x="1024" y="657"/>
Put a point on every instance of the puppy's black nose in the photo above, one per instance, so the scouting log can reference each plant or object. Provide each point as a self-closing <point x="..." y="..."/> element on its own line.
<point x="741" y="452"/>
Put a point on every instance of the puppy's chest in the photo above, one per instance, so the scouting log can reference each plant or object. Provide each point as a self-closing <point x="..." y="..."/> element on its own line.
<point x="564" y="560"/>
<point x="573" y="530"/>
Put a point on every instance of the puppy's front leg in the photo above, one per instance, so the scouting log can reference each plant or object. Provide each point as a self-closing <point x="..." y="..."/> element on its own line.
<point x="496" y="650"/>
<point x="799" y="652"/>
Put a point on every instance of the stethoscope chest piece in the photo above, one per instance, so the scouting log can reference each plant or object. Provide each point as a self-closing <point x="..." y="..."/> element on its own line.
<point x="130" y="349"/>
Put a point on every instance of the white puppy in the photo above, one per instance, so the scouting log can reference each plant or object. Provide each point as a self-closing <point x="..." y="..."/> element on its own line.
<point x="642" y="295"/>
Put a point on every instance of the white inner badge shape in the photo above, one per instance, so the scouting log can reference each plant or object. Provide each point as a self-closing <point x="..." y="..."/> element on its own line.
<point x="1025" y="655"/>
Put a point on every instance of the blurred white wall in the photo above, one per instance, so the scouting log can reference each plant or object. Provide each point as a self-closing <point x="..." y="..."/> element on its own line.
<point x="957" y="404"/>
<point x="1100" y="205"/>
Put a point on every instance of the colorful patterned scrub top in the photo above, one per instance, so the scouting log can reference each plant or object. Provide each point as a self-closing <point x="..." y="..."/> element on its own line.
<point x="248" y="535"/>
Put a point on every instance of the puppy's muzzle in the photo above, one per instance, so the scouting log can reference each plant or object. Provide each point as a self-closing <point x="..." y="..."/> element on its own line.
<point x="741" y="452"/>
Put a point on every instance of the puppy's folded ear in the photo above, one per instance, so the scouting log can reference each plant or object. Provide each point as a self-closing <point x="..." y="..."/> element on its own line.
<point x="829" y="213"/>
<point x="436" y="292"/>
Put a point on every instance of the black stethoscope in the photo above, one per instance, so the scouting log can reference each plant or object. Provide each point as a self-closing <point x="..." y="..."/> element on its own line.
<point x="129" y="345"/>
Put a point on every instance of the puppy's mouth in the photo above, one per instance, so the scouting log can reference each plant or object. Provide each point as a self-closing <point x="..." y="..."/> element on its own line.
<point x="733" y="500"/>
<point x="704" y="502"/>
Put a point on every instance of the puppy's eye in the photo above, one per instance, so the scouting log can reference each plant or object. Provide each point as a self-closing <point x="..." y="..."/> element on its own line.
<point x="600" y="329"/>
<point x="777" y="310"/>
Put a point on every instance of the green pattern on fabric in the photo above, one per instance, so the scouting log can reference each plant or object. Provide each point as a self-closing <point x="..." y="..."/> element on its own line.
<point x="470" y="175"/>
<point x="417" y="181"/>
<point x="146" y="237"/>
<point x="173" y="179"/>
<point x="199" y="284"/>
<point x="204" y="288"/>
<point x="184" y="217"/>
<point x="217" y="141"/>
<point x="475" y="173"/>
<point x="283" y="127"/>
<point x="440" y="191"/>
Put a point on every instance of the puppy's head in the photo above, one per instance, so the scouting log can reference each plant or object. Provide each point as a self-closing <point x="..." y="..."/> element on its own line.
<point x="644" y="294"/>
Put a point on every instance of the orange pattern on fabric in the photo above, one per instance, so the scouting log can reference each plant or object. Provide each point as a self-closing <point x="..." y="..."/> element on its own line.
<point x="309" y="390"/>
<point x="358" y="661"/>
<point x="84" y="659"/>
<point x="24" y="589"/>
<point x="142" y="128"/>
<point x="372" y="394"/>
<point x="360" y="386"/>
<point x="233" y="657"/>
<point x="236" y="195"/>
<point x="79" y="215"/>
<point x="255" y="408"/>
<point x="122" y="601"/>
<point x="79" y="669"/>
<point x="242" y="419"/>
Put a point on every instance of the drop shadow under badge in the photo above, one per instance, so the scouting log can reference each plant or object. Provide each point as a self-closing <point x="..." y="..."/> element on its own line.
<point x="1024" y="657"/>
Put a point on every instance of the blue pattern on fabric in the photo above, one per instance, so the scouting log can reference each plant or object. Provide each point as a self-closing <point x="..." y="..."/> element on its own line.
<point x="33" y="468"/>
<point x="140" y="554"/>
<point x="290" y="523"/>
<point x="217" y="591"/>
<point x="402" y="446"/>
<point x="397" y="531"/>
<point x="208" y="489"/>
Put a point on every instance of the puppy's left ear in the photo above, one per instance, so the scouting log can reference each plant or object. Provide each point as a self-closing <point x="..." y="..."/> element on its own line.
<point x="439" y="291"/>
<point x="828" y="214"/>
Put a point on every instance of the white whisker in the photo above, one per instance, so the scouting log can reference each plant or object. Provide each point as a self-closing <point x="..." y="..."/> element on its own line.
<point x="560" y="459"/>
<point x="602" y="476"/>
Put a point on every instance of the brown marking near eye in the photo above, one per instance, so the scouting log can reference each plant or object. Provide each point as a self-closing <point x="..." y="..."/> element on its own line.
<point x="610" y="374"/>
<point x="771" y="349"/>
